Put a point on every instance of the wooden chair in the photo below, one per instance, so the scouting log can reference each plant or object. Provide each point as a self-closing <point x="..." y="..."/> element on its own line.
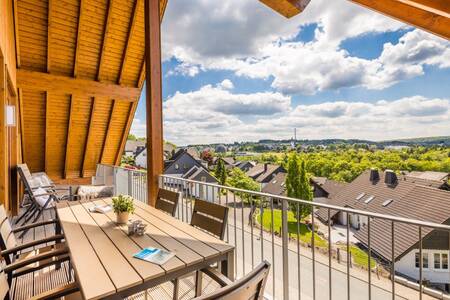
<point x="33" y="260"/>
<point x="55" y="293"/>
<point x="167" y="201"/>
<point x="251" y="286"/>
<point x="210" y="217"/>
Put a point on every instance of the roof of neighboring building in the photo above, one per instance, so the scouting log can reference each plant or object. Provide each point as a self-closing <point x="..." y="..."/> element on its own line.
<point x="131" y="146"/>
<point x="229" y="160"/>
<point x="240" y="164"/>
<point x="276" y="186"/>
<point x="195" y="171"/>
<point x="258" y="173"/>
<point x="404" y="199"/>
<point x="140" y="151"/>
<point x="177" y="156"/>
<point x="332" y="187"/>
<point x="429" y="175"/>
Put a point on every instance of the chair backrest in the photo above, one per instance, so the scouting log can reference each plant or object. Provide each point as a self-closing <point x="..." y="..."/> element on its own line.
<point x="251" y="286"/>
<point x="210" y="217"/>
<point x="7" y="238"/>
<point x="4" y="286"/>
<point x="167" y="201"/>
<point x="25" y="177"/>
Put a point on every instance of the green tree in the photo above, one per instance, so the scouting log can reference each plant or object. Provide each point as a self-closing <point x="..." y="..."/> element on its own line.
<point x="132" y="137"/>
<point x="298" y="186"/>
<point x="220" y="172"/>
<point x="240" y="180"/>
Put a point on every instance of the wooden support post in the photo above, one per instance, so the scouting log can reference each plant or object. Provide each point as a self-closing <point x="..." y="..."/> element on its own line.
<point x="153" y="94"/>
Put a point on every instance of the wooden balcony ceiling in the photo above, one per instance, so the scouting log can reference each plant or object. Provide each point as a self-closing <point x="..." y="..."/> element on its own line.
<point x="80" y="72"/>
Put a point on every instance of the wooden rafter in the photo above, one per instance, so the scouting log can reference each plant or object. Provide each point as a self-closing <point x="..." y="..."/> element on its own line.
<point x="47" y="133"/>
<point x="108" y="130"/>
<point x="69" y="85"/>
<point x="130" y="34"/>
<point x="77" y="43"/>
<point x="69" y="125"/>
<point x="287" y="8"/>
<point x="126" y="130"/>
<point x="432" y="16"/>
<point x="22" y="135"/>
<point x="105" y="37"/>
<point x="49" y="34"/>
<point x="88" y="137"/>
<point x="16" y="34"/>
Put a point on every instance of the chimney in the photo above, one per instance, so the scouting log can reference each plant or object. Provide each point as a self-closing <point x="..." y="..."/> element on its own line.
<point x="265" y="167"/>
<point x="390" y="178"/>
<point x="374" y="175"/>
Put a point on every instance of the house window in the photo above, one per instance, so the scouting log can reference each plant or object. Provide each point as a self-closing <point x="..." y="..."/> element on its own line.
<point x="177" y="166"/>
<point x="437" y="260"/>
<point x="424" y="260"/>
<point x="445" y="261"/>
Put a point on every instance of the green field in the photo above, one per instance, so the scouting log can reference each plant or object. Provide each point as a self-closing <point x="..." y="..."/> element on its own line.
<point x="360" y="257"/>
<point x="305" y="232"/>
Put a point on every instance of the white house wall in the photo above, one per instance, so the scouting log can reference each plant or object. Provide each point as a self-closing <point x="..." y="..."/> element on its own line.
<point x="407" y="266"/>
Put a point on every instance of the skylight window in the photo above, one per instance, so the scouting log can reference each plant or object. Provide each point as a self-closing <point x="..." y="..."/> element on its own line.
<point x="360" y="196"/>
<point x="387" y="202"/>
<point x="274" y="181"/>
<point x="369" y="199"/>
<point x="283" y="184"/>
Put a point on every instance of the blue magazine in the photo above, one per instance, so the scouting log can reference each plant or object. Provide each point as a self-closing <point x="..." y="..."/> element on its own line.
<point x="154" y="255"/>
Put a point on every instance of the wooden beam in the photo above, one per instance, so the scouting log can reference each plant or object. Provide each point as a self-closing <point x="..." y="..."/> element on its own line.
<point x="22" y="133"/>
<point x="89" y="136"/>
<point x="427" y="15"/>
<point x="4" y="182"/>
<point x="49" y="34"/>
<point x="108" y="131"/>
<point x="155" y="163"/>
<point x="105" y="37"/>
<point x="16" y="33"/>
<point x="287" y="8"/>
<point x="68" y="85"/>
<point x="130" y="34"/>
<point x="77" y="43"/>
<point x="47" y="133"/>
<point x="126" y="130"/>
<point x="142" y="73"/>
<point x="66" y="161"/>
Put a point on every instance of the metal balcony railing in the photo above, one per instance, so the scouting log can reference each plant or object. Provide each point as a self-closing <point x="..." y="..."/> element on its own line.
<point x="301" y="269"/>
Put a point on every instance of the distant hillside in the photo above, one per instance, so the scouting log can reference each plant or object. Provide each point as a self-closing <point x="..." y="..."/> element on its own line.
<point x="425" y="140"/>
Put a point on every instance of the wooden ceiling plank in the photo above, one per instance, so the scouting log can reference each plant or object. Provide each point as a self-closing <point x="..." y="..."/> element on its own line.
<point x="89" y="136"/>
<point x="126" y="130"/>
<point x="22" y="131"/>
<point x="108" y="130"/>
<point x="82" y="87"/>
<point x="67" y="158"/>
<point x="413" y="15"/>
<point x="105" y="37"/>
<point x="77" y="43"/>
<point x="49" y="34"/>
<point x="47" y="131"/>
<point x="441" y="8"/>
<point x="16" y="33"/>
<point x="130" y="34"/>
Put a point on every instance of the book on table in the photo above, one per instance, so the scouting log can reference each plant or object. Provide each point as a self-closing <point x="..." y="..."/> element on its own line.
<point x="154" y="255"/>
<point x="103" y="209"/>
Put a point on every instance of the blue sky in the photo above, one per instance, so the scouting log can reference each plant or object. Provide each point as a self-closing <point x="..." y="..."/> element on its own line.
<point x="235" y="76"/>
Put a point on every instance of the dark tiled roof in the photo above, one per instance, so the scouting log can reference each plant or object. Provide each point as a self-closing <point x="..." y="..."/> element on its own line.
<point x="410" y="200"/>
<point x="228" y="160"/>
<point x="258" y="173"/>
<point x="131" y="146"/>
<point x="276" y="186"/>
<point x="429" y="175"/>
<point x="330" y="186"/>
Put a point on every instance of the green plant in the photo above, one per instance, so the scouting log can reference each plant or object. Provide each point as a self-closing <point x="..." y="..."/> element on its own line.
<point x="123" y="203"/>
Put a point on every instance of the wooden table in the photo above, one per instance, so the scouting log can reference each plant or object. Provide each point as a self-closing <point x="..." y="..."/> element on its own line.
<point x="102" y="252"/>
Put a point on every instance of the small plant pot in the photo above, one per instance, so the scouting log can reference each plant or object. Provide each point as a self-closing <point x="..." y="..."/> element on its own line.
<point x="122" y="217"/>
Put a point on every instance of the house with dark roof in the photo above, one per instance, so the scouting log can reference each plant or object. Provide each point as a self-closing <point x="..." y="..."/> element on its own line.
<point x="244" y="165"/>
<point x="184" y="165"/>
<point x="264" y="173"/>
<point x="398" y="195"/>
<point x="133" y="147"/>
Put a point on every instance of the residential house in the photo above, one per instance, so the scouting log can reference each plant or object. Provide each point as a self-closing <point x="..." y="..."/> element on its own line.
<point x="140" y="158"/>
<point x="186" y="166"/>
<point x="264" y="173"/>
<point x="229" y="162"/>
<point x="402" y="196"/>
<point x="133" y="147"/>
<point x="326" y="188"/>
<point x="430" y="178"/>
<point x="244" y="165"/>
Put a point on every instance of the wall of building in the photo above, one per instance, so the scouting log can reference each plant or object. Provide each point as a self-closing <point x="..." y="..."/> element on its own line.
<point x="141" y="159"/>
<point x="407" y="266"/>
<point x="9" y="136"/>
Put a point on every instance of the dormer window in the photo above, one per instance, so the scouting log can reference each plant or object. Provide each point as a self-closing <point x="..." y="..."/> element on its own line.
<point x="369" y="199"/>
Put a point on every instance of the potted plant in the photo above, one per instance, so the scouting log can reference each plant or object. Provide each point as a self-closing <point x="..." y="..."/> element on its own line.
<point x="123" y="206"/>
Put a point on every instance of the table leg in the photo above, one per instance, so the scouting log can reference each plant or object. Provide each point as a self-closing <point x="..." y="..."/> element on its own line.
<point x="228" y="266"/>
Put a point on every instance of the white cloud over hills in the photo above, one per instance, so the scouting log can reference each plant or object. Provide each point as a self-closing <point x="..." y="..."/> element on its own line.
<point x="216" y="114"/>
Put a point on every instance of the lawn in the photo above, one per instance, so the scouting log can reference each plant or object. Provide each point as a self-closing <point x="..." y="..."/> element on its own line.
<point x="360" y="257"/>
<point x="305" y="232"/>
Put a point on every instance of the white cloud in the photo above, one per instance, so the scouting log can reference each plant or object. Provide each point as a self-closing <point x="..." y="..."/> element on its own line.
<point x="251" y="40"/>
<point x="213" y="114"/>
<point x="226" y="84"/>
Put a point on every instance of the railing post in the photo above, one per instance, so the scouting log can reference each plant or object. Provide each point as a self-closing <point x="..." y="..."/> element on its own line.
<point x="285" y="248"/>
<point x="130" y="182"/>
<point x="114" y="180"/>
